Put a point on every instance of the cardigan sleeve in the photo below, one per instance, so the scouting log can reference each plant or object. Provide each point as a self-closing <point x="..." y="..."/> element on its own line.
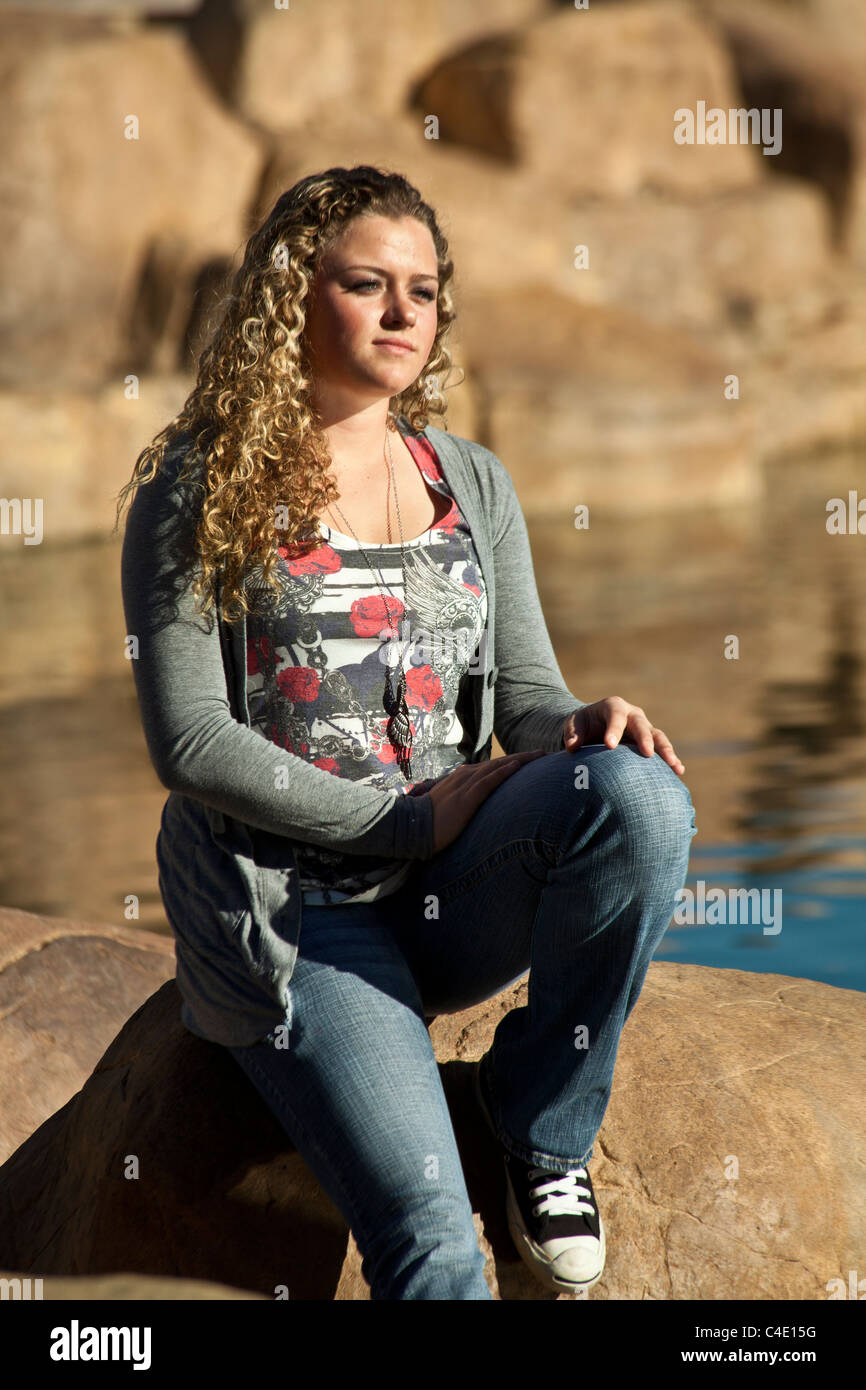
<point x="531" y="698"/>
<point x="195" y="743"/>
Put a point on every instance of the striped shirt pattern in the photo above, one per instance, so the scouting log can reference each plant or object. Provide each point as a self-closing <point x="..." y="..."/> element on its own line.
<point x="316" y="667"/>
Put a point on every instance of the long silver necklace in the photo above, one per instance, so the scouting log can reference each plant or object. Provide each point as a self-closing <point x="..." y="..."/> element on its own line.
<point x="399" y="726"/>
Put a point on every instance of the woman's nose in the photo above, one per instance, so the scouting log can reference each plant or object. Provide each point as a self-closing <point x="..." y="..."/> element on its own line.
<point x="400" y="310"/>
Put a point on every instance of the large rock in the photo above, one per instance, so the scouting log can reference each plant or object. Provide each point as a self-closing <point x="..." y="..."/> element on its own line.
<point x="65" y="990"/>
<point x="807" y="376"/>
<point x="634" y="415"/>
<point x="787" y="61"/>
<point x="278" y="66"/>
<point x="596" y="404"/>
<point x="118" y="227"/>
<point x="841" y="24"/>
<point x="116" y="1287"/>
<point x="586" y="100"/>
<point x="732" y="1090"/>
<point x="75" y="449"/>
<point x="114" y="11"/>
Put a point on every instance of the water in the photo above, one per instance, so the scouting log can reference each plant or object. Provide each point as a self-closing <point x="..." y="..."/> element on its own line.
<point x="818" y="934"/>
<point x="774" y="742"/>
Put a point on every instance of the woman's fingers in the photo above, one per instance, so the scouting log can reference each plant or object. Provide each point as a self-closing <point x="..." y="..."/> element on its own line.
<point x="665" y="749"/>
<point x="495" y="770"/>
<point x="458" y="795"/>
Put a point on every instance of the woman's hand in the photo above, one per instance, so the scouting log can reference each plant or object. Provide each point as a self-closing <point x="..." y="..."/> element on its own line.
<point x="457" y="796"/>
<point x="605" y="720"/>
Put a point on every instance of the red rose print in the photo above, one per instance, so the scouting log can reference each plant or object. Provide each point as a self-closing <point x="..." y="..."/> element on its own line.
<point x="369" y="618"/>
<point x="298" y="683"/>
<point x="323" y="560"/>
<point x="386" y="752"/>
<point x="423" y="687"/>
<point x="281" y="740"/>
<point x="327" y="765"/>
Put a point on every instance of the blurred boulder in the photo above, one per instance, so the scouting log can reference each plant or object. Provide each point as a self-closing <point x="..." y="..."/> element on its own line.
<point x="65" y="990"/>
<point x="785" y="59"/>
<point x="122" y="178"/>
<point x="111" y="1288"/>
<point x="585" y="99"/>
<point x="732" y="1089"/>
<point x="277" y="67"/>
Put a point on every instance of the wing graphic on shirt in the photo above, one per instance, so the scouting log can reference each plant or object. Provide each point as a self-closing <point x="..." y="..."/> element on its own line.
<point x="443" y="606"/>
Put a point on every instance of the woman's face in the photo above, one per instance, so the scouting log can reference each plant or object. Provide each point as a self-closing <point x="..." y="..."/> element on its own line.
<point x="377" y="284"/>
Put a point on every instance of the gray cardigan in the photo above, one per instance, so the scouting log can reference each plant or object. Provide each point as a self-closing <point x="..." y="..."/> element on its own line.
<point x="227" y="874"/>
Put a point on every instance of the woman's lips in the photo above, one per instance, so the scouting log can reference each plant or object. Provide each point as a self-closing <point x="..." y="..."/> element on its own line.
<point x="394" y="347"/>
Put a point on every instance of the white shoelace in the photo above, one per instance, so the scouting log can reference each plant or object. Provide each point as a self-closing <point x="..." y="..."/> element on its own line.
<point x="561" y="1195"/>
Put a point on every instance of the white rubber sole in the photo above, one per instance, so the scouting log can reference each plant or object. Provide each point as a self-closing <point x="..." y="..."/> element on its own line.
<point x="532" y="1255"/>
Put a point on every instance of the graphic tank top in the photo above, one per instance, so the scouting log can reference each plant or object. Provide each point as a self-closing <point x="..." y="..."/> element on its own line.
<point x="316" y="667"/>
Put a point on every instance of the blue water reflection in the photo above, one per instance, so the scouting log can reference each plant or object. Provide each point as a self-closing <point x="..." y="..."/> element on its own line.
<point x="823" y="920"/>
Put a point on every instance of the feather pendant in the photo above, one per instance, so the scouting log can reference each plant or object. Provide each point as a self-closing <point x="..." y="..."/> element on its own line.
<point x="399" y="724"/>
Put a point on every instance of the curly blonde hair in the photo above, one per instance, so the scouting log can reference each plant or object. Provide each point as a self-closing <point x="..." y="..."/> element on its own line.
<point x="250" y="412"/>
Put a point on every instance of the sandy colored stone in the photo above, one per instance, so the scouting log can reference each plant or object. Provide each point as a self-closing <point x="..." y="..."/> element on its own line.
<point x="788" y="59"/>
<point x="634" y="414"/>
<point x="277" y="67"/>
<point x="716" y="1066"/>
<point x="65" y="989"/>
<point x="720" y="1072"/>
<point x="76" y="449"/>
<point x="586" y="100"/>
<point x="119" y="227"/>
<point x="132" y="1287"/>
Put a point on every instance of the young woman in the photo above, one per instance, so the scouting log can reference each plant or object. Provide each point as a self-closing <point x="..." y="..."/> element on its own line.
<point x="331" y="607"/>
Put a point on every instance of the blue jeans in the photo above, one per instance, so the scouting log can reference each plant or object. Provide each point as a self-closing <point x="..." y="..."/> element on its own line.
<point x="576" y="884"/>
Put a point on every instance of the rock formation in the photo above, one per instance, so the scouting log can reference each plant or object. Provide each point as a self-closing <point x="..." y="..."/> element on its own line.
<point x="732" y="1091"/>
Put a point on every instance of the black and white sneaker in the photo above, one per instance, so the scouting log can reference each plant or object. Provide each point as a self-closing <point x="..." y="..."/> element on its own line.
<point x="553" y="1218"/>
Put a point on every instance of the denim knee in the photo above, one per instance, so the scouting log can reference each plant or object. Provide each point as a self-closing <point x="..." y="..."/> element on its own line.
<point x="424" y="1248"/>
<point x="649" y="803"/>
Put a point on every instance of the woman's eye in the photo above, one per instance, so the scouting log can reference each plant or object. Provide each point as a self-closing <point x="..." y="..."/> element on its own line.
<point x="374" y="284"/>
